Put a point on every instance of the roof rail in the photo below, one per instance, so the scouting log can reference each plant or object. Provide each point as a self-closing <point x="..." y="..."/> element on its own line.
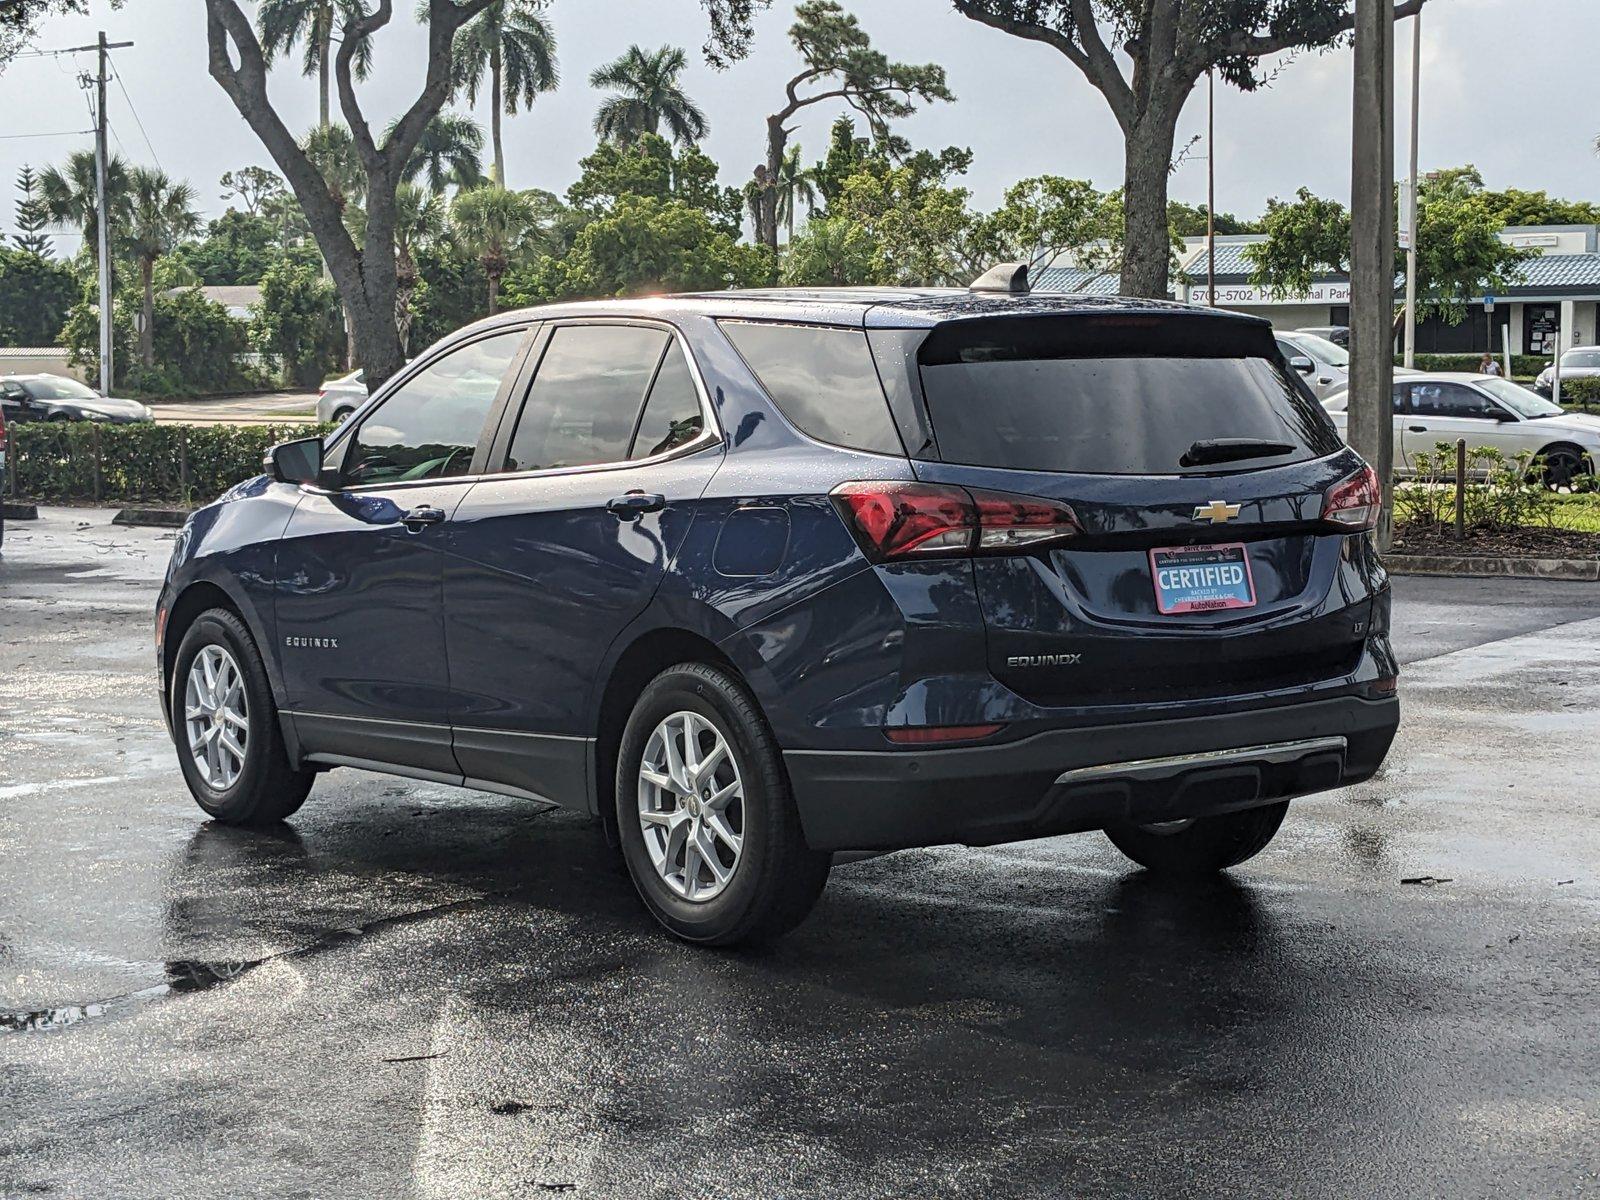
<point x="1011" y="278"/>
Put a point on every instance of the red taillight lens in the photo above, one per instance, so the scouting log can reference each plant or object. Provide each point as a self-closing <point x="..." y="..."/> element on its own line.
<point x="1354" y="503"/>
<point x="904" y="520"/>
<point x="1007" y="522"/>
<point x="907" y="520"/>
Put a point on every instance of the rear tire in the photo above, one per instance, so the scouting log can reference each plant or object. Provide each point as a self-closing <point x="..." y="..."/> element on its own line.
<point x="768" y="884"/>
<point x="248" y="780"/>
<point x="1202" y="846"/>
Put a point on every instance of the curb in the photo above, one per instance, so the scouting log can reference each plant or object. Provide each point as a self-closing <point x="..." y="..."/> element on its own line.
<point x="165" y="518"/>
<point x="19" y="512"/>
<point x="1573" y="570"/>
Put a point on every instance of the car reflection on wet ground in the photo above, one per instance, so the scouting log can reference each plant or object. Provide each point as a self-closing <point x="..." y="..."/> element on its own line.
<point x="414" y="990"/>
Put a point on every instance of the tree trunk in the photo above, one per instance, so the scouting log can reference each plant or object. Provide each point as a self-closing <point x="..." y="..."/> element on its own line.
<point x="324" y="36"/>
<point x="147" y="335"/>
<point x="494" y="293"/>
<point x="494" y="117"/>
<point x="767" y="208"/>
<point x="1147" y="241"/>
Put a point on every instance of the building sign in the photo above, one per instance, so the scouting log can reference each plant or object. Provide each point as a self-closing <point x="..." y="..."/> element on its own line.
<point x="1236" y="294"/>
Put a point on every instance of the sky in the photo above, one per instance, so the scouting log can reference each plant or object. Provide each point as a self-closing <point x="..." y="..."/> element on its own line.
<point x="1509" y="85"/>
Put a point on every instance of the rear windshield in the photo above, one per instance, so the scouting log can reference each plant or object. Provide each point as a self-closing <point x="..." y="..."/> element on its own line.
<point x="1123" y="404"/>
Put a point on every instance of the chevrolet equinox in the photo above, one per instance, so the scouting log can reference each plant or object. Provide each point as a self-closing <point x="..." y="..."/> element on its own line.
<point x="759" y="577"/>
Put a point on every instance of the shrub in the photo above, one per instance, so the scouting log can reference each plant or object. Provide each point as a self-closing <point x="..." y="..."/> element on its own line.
<point x="81" y="460"/>
<point x="1583" y="392"/>
<point x="297" y="323"/>
<point x="1500" y="493"/>
<point x="36" y="294"/>
<point x="198" y="346"/>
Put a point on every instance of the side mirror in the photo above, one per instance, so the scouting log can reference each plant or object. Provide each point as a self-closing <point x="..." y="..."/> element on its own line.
<point x="298" y="461"/>
<point x="1302" y="364"/>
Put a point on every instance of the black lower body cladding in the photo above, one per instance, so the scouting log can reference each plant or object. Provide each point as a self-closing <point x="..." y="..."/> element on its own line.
<point x="1051" y="782"/>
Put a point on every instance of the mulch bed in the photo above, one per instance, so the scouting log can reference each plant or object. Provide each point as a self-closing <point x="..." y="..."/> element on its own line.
<point x="1521" y="542"/>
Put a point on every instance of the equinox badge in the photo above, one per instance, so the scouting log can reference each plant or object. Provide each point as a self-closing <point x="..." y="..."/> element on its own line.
<point x="1218" y="512"/>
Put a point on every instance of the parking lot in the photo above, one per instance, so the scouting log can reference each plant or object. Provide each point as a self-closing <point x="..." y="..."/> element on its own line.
<point x="413" y="990"/>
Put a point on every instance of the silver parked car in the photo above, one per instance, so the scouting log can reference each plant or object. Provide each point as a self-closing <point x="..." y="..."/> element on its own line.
<point x="1485" y="410"/>
<point x="1325" y="364"/>
<point x="340" y="397"/>
<point x="1581" y="362"/>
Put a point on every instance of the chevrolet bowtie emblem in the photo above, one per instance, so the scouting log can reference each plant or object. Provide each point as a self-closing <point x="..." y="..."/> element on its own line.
<point x="1218" y="512"/>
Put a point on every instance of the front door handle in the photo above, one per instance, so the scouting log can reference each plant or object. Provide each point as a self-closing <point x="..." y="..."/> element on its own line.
<point x="635" y="504"/>
<point x="417" y="518"/>
<point x="1416" y="429"/>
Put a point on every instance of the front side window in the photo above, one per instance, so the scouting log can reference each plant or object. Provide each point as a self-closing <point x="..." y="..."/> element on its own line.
<point x="1584" y="359"/>
<point x="1451" y="400"/>
<point x="60" y="389"/>
<point x="585" y="399"/>
<point x="429" y="427"/>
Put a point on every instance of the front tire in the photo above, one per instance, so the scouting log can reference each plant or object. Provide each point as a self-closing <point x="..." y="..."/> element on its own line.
<point x="709" y="829"/>
<point x="1563" y="465"/>
<point x="226" y="726"/>
<point x="1201" y="846"/>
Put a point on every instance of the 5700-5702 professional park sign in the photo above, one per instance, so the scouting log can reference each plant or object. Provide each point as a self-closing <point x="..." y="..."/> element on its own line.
<point x="1337" y="292"/>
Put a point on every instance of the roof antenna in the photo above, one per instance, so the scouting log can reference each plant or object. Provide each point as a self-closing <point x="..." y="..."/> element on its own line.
<point x="1011" y="278"/>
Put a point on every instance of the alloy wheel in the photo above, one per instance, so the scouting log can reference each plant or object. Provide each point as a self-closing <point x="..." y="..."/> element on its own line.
<point x="216" y="717"/>
<point x="691" y="806"/>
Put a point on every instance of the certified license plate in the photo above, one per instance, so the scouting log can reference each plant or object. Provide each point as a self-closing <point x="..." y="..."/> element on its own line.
<point x="1193" y="579"/>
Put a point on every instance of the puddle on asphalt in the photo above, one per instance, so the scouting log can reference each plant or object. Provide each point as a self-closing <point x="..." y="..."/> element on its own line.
<point x="183" y="976"/>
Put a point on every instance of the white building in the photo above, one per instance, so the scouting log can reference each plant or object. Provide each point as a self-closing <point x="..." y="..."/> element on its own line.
<point x="1558" y="291"/>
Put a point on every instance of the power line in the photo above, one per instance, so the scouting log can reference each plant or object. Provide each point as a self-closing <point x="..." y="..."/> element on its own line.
<point x="121" y="87"/>
<point x="58" y="133"/>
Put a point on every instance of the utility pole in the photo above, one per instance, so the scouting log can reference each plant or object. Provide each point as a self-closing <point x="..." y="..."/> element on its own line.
<point x="1371" y="424"/>
<point x="102" y="222"/>
<point x="1411" y="197"/>
<point x="1211" y="188"/>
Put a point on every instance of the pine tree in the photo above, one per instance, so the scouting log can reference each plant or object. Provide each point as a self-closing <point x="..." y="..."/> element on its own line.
<point x="31" y="219"/>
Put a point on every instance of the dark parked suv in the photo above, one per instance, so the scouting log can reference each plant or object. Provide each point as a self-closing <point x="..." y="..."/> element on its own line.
<point x="758" y="577"/>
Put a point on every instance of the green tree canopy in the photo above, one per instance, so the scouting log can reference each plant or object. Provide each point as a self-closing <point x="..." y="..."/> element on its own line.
<point x="647" y="94"/>
<point x="36" y="293"/>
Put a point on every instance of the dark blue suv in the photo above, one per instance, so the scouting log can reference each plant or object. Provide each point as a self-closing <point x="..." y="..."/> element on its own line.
<point x="759" y="577"/>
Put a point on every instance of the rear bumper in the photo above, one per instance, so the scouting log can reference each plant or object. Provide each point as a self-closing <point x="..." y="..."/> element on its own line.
<point x="1070" y="780"/>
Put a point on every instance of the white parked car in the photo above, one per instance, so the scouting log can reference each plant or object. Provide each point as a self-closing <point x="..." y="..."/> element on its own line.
<point x="338" y="398"/>
<point x="1325" y="364"/>
<point x="1433" y="407"/>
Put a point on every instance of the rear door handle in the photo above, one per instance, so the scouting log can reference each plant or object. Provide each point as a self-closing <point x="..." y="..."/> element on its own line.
<point x="419" y="517"/>
<point x="635" y="504"/>
<point x="1416" y="429"/>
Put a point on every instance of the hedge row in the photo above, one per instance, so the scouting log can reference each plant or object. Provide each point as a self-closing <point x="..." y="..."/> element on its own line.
<point x="180" y="464"/>
<point x="1523" y="366"/>
<point x="1583" y="392"/>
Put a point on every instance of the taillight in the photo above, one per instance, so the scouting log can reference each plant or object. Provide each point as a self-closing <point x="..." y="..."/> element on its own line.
<point x="1355" y="502"/>
<point x="896" y="520"/>
<point x="2" y="433"/>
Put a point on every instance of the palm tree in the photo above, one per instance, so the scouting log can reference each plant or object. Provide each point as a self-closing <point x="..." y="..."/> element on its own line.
<point x="333" y="152"/>
<point x="449" y="152"/>
<point x="490" y="221"/>
<point x="160" y="214"/>
<point x="283" y="23"/>
<point x="648" y="96"/>
<point x="514" y="42"/>
<point x="419" y="217"/>
<point x="67" y="196"/>
<point x="796" y="183"/>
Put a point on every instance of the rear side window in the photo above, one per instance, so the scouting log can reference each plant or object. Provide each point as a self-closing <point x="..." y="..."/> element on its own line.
<point x="672" y="415"/>
<point x="1037" y="404"/>
<point x="586" y="395"/>
<point x="822" y="379"/>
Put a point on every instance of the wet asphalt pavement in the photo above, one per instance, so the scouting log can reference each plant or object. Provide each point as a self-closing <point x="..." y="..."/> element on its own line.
<point x="418" y="991"/>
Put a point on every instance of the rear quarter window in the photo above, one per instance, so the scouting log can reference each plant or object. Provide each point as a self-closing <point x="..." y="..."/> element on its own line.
<point x="822" y="379"/>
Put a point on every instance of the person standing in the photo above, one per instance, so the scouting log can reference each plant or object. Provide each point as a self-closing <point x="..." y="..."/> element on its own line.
<point x="1489" y="366"/>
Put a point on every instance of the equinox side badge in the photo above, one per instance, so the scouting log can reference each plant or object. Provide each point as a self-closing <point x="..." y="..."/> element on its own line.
<point x="1044" y="660"/>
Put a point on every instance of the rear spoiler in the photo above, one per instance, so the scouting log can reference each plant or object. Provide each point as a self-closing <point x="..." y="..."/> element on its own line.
<point x="1173" y="334"/>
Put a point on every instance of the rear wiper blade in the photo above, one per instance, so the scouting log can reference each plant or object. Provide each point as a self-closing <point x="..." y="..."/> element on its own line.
<point x="1225" y="450"/>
